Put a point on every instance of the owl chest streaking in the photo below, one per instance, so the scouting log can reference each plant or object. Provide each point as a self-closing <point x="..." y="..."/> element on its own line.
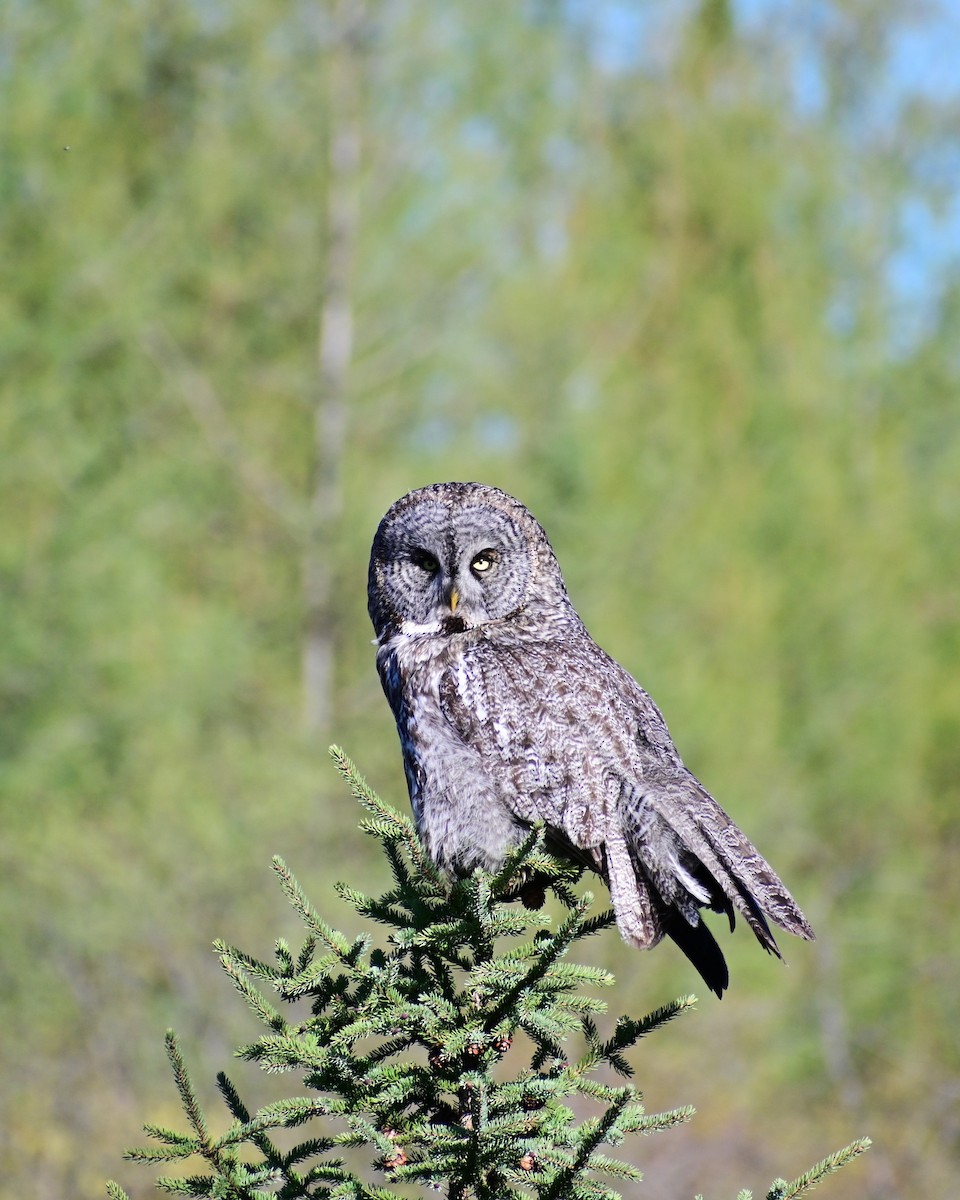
<point x="509" y="713"/>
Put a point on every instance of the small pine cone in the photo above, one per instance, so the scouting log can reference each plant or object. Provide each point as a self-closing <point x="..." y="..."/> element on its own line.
<point x="436" y="1058"/>
<point x="397" y="1159"/>
<point x="533" y="895"/>
<point x="503" y="1043"/>
<point x="528" y="1162"/>
<point x="474" y="1049"/>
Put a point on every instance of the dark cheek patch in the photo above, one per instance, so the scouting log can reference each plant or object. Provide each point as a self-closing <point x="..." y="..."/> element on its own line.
<point x="453" y="624"/>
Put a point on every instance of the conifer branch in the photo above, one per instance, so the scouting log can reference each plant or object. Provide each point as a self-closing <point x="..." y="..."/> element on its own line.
<point x="781" y="1190"/>
<point x="409" y="1051"/>
<point x="188" y="1097"/>
<point x="294" y="893"/>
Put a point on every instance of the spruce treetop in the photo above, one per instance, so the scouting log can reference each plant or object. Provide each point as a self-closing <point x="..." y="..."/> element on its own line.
<point x="461" y="1056"/>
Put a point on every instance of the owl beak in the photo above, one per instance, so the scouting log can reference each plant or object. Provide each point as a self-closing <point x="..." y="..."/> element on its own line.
<point x="454" y="599"/>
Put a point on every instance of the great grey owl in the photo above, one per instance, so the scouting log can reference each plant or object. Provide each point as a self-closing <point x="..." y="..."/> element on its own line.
<point x="509" y="714"/>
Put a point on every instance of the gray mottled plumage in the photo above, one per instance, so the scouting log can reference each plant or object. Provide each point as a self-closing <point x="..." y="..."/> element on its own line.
<point x="509" y="713"/>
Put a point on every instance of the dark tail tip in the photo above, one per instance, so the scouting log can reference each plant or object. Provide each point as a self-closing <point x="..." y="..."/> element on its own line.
<point x="700" y="946"/>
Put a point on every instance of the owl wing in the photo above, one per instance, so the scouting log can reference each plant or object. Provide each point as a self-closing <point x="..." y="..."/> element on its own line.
<point x="526" y="709"/>
<point x="575" y="742"/>
<point x="554" y="733"/>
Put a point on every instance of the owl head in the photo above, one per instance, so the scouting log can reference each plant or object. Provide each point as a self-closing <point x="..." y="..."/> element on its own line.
<point x="457" y="556"/>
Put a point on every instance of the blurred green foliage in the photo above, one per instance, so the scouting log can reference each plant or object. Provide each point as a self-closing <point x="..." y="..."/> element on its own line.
<point x="652" y="298"/>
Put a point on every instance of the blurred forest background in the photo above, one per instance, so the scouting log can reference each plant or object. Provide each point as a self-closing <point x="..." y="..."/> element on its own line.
<point x="681" y="276"/>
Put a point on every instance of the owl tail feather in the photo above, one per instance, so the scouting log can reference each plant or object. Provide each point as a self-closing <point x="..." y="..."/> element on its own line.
<point x="729" y="882"/>
<point x="752" y="884"/>
<point x="700" y="947"/>
<point x="727" y="864"/>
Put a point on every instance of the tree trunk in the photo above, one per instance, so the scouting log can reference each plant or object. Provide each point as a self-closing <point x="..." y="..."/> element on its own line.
<point x="334" y="351"/>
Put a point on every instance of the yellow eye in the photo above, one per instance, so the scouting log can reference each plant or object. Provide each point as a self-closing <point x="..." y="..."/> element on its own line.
<point x="483" y="562"/>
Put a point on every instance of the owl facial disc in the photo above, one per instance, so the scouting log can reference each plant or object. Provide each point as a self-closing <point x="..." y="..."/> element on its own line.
<point x="454" y="557"/>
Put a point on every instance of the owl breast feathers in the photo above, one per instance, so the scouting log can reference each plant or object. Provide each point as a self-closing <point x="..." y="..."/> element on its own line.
<point x="509" y="713"/>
